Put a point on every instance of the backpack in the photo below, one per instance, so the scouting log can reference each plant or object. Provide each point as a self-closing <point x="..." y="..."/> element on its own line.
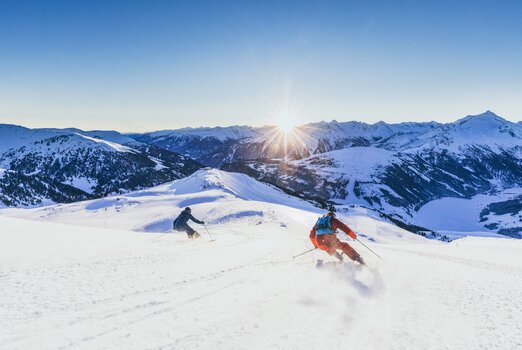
<point x="323" y="226"/>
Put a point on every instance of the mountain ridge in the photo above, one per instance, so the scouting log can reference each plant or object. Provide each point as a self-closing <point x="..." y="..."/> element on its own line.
<point x="395" y="169"/>
<point x="320" y="137"/>
<point x="43" y="166"/>
<point x="477" y="154"/>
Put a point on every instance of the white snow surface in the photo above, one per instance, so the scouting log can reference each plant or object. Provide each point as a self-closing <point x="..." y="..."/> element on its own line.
<point x="85" y="279"/>
<point x="107" y="135"/>
<point x="83" y="183"/>
<point x="457" y="217"/>
<point x="359" y="163"/>
<point x="108" y="144"/>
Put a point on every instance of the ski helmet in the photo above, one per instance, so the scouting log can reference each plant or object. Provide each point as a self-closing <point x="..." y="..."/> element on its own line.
<point x="188" y="209"/>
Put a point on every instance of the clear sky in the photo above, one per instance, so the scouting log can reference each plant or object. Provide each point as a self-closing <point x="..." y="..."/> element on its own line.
<point x="147" y="65"/>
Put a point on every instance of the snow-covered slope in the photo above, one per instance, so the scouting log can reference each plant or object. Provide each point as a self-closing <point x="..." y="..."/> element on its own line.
<point x="218" y="196"/>
<point x="479" y="215"/>
<point x="64" y="165"/>
<point x="74" y="286"/>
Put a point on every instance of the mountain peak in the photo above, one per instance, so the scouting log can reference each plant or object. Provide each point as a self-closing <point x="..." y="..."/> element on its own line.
<point x="489" y="113"/>
<point x="487" y="120"/>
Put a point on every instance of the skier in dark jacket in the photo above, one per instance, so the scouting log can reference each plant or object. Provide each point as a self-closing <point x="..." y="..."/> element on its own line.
<point x="181" y="223"/>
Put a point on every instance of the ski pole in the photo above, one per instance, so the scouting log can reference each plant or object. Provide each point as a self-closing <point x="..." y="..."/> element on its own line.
<point x="211" y="239"/>
<point x="369" y="249"/>
<point x="308" y="251"/>
<point x="160" y="236"/>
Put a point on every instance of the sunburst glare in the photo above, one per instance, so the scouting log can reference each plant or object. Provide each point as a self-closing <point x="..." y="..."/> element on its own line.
<point x="285" y="139"/>
<point x="286" y="125"/>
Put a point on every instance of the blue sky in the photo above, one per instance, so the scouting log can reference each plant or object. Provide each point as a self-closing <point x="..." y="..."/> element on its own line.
<point x="147" y="65"/>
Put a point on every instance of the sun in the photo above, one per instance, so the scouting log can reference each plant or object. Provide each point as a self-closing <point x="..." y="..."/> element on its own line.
<point x="286" y="139"/>
<point x="286" y="120"/>
<point x="286" y="125"/>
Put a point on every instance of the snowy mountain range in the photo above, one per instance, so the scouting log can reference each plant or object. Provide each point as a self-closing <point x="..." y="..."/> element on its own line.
<point x="394" y="168"/>
<point x="246" y="143"/>
<point x="415" y="174"/>
<point x="43" y="166"/>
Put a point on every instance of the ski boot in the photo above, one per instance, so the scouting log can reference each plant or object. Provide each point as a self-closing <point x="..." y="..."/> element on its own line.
<point x="360" y="260"/>
<point x="339" y="256"/>
<point x="194" y="235"/>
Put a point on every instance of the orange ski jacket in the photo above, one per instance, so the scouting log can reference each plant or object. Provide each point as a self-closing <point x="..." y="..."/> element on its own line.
<point x="336" y="224"/>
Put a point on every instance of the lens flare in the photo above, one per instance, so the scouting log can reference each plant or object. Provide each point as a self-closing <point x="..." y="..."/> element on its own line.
<point x="286" y="125"/>
<point x="285" y="139"/>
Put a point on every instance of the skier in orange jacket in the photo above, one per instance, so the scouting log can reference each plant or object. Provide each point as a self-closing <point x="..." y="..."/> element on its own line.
<point x="323" y="236"/>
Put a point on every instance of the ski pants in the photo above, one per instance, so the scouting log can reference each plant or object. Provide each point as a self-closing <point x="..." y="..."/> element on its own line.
<point x="330" y="244"/>
<point x="185" y="228"/>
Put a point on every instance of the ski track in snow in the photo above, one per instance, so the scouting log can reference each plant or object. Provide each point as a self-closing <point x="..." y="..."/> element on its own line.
<point x="245" y="291"/>
<point x="88" y="287"/>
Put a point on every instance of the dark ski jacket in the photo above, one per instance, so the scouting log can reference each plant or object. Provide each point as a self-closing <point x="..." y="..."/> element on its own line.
<point x="183" y="218"/>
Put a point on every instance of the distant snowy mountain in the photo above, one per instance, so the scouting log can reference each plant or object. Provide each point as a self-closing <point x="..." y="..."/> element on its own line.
<point x="394" y="168"/>
<point x="218" y="146"/>
<point x="42" y="166"/>
<point x="247" y="143"/>
<point x="210" y="146"/>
